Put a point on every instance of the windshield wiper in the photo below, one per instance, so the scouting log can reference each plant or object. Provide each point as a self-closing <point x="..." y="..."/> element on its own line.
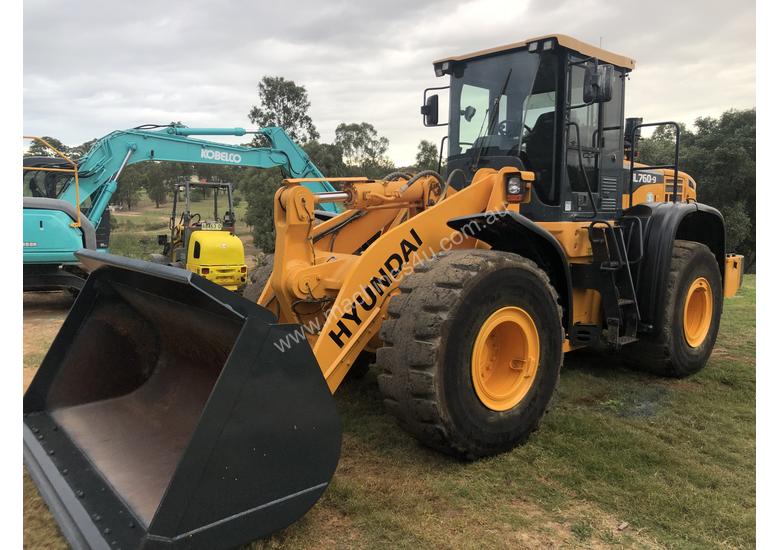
<point x="493" y="120"/>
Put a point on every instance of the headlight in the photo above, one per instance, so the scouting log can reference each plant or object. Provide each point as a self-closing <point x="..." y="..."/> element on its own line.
<point x="514" y="186"/>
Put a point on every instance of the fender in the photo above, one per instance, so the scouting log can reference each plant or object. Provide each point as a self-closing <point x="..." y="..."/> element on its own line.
<point x="664" y="223"/>
<point x="511" y="232"/>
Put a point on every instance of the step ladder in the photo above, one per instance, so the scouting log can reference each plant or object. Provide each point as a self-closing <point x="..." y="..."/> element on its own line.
<point x="615" y="277"/>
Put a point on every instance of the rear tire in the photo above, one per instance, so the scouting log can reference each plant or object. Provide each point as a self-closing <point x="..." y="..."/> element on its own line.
<point x="675" y="350"/>
<point x="426" y="363"/>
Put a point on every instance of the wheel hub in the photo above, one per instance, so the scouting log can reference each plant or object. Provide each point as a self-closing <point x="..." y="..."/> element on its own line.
<point x="505" y="358"/>
<point x="697" y="315"/>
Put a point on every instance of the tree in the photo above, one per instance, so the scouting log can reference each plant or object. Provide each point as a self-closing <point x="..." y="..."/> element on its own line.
<point x="80" y="150"/>
<point x="160" y="177"/>
<point x="38" y="149"/>
<point x="720" y="155"/>
<point x="427" y="156"/>
<point x="360" y="143"/>
<point x="285" y="104"/>
<point x="258" y="187"/>
<point x="133" y="179"/>
<point x="157" y="191"/>
<point x="328" y="158"/>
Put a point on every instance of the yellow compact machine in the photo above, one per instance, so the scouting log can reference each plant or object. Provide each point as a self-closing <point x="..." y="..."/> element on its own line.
<point x="542" y="235"/>
<point x="205" y="244"/>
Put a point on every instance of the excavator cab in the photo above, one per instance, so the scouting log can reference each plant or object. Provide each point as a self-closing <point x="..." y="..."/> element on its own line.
<point x="204" y="241"/>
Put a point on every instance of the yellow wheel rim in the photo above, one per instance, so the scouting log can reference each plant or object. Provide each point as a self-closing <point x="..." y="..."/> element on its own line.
<point x="505" y="358"/>
<point x="697" y="314"/>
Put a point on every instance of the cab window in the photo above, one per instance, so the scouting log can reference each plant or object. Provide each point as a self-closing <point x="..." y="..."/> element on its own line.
<point x="539" y="149"/>
<point x="581" y="135"/>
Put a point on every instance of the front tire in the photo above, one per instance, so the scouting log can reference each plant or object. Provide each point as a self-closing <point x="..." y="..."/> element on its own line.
<point x="692" y="303"/>
<point x="472" y="352"/>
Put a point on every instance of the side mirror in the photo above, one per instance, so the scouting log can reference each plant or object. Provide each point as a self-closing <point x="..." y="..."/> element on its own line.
<point x="430" y="111"/>
<point x="468" y="113"/>
<point x="162" y="240"/>
<point x="631" y="124"/>
<point x="597" y="87"/>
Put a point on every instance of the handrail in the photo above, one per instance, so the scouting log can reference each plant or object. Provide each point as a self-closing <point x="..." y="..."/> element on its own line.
<point x="676" y="164"/>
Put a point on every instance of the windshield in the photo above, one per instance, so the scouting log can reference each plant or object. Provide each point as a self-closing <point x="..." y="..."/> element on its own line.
<point x="37" y="183"/>
<point x="210" y="203"/>
<point x="486" y="104"/>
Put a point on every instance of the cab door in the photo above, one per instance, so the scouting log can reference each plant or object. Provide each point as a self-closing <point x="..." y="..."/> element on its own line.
<point x="594" y="147"/>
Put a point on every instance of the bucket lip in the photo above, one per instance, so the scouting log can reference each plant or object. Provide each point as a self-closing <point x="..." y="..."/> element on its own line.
<point x="94" y="260"/>
<point x="73" y="519"/>
<point x="98" y="262"/>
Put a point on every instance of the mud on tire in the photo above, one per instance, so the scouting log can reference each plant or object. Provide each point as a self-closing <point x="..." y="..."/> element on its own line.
<point x="425" y="362"/>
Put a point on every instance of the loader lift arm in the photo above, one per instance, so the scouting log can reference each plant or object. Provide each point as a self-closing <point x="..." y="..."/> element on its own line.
<point x="342" y="296"/>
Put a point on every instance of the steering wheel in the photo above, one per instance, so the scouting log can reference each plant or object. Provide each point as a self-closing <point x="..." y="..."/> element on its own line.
<point x="503" y="128"/>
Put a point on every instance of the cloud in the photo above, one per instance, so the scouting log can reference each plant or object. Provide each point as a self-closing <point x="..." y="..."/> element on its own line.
<point x="96" y="66"/>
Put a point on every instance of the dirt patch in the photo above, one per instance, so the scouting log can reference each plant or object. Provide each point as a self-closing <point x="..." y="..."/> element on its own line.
<point x="40" y="530"/>
<point x="44" y="313"/>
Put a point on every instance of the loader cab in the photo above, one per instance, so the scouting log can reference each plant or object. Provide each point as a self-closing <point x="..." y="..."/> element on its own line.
<point x="552" y="106"/>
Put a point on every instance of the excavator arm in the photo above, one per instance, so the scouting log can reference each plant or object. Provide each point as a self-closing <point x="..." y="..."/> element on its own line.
<point x="101" y="167"/>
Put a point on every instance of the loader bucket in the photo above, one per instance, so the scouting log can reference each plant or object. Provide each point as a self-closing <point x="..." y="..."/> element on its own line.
<point x="166" y="414"/>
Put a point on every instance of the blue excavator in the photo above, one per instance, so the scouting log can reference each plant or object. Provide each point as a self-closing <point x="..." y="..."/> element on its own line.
<point x="65" y="202"/>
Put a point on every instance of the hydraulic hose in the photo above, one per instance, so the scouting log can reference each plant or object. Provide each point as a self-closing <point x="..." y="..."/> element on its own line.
<point x="448" y="182"/>
<point x="419" y="175"/>
<point x="397" y="174"/>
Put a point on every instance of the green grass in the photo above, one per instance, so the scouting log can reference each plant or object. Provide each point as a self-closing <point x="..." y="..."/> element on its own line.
<point x="134" y="233"/>
<point x="672" y="459"/>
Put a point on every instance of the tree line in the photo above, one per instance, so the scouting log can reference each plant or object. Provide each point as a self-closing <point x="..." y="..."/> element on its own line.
<point x="720" y="154"/>
<point x="357" y="150"/>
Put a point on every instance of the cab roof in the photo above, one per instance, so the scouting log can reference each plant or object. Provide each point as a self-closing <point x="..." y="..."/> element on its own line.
<point x="559" y="39"/>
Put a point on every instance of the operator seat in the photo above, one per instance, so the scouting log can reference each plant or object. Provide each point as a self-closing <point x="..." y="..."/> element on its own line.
<point x="539" y="148"/>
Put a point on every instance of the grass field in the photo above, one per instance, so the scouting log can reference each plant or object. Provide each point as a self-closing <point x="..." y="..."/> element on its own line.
<point x="622" y="459"/>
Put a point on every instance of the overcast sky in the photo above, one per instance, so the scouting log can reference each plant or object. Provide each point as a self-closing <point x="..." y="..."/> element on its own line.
<point x="95" y="66"/>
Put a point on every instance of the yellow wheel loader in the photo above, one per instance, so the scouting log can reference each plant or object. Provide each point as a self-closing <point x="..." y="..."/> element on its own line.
<point x="205" y="244"/>
<point x="172" y="413"/>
